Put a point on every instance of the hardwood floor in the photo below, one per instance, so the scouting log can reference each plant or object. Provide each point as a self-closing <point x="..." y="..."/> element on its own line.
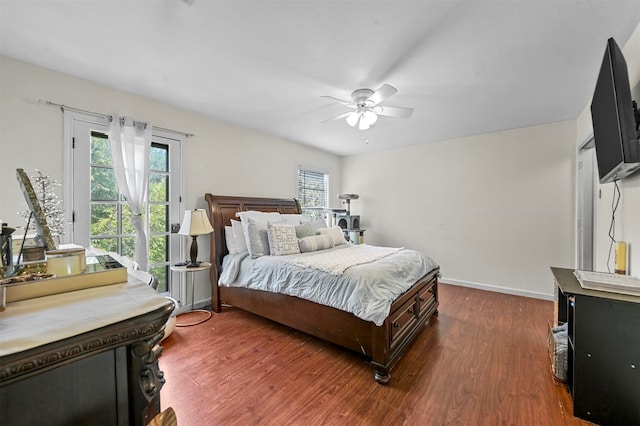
<point x="482" y="361"/>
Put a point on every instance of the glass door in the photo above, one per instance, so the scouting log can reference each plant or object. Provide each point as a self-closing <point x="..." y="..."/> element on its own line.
<point x="99" y="213"/>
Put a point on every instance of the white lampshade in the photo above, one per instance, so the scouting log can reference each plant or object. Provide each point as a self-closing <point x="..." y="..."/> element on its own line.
<point x="195" y="222"/>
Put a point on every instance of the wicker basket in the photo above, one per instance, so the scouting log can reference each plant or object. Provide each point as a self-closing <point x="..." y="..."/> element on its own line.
<point x="558" y="347"/>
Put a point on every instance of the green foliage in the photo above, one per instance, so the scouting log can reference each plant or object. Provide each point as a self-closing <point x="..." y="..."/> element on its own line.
<point x="111" y="229"/>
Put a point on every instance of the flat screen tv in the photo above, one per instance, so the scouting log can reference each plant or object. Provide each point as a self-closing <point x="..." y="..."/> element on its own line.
<point x="615" y="119"/>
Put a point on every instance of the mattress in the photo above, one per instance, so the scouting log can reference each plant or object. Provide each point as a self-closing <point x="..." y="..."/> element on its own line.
<point x="366" y="290"/>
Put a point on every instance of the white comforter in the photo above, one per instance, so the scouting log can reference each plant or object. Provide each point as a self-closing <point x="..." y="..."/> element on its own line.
<point x="365" y="289"/>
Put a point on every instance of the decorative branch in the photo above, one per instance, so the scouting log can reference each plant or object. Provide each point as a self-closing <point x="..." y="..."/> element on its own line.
<point x="44" y="188"/>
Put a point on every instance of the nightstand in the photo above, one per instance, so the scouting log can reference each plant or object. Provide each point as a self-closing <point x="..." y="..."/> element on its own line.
<point x="204" y="266"/>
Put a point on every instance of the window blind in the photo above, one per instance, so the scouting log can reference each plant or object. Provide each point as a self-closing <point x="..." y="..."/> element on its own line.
<point x="313" y="192"/>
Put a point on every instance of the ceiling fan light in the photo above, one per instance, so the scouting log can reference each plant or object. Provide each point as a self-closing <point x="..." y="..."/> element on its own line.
<point x="370" y="117"/>
<point x="364" y="124"/>
<point x="352" y="119"/>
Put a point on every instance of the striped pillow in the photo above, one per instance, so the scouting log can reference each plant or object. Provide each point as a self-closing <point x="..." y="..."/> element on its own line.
<point x="315" y="243"/>
<point x="335" y="233"/>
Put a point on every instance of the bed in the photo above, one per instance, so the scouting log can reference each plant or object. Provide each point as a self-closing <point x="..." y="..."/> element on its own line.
<point x="382" y="345"/>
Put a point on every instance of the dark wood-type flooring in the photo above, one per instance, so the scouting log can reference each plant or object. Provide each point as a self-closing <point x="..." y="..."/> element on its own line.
<point x="482" y="361"/>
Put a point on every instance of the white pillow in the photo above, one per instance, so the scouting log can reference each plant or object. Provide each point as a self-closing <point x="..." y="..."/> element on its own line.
<point x="315" y="243"/>
<point x="258" y="217"/>
<point x="258" y="244"/>
<point x="238" y="235"/>
<point x="282" y="239"/>
<point x="335" y="233"/>
<point x="294" y="219"/>
<point x="230" y="239"/>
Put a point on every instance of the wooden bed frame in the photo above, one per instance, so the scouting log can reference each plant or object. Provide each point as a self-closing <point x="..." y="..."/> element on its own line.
<point x="382" y="345"/>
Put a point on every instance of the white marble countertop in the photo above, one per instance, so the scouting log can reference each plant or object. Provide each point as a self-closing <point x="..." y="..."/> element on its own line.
<point x="31" y="323"/>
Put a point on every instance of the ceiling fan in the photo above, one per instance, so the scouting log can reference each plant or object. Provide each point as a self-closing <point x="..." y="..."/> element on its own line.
<point x="366" y="107"/>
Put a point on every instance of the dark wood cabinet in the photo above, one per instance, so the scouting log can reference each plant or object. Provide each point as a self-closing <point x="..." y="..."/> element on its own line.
<point x="604" y="351"/>
<point x="84" y="358"/>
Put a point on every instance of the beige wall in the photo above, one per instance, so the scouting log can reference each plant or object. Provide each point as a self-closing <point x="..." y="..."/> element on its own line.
<point x="221" y="158"/>
<point x="627" y="218"/>
<point x="495" y="210"/>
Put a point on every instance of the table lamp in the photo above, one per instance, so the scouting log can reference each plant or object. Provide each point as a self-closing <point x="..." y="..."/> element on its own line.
<point x="195" y="223"/>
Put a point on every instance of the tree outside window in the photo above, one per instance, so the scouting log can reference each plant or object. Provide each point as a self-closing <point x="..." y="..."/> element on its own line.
<point x="110" y="228"/>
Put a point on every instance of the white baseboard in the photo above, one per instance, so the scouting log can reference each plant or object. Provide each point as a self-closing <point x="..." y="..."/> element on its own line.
<point x="497" y="289"/>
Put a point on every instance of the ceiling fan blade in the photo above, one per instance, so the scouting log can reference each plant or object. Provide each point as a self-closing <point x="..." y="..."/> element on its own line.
<point x="340" y="101"/>
<point x="380" y="95"/>
<point x="338" y="117"/>
<point x="391" y="111"/>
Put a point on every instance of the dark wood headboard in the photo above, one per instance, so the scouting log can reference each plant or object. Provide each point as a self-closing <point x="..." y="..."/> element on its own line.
<point x="223" y="208"/>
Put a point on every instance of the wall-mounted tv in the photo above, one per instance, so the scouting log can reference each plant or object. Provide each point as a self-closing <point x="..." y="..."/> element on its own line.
<point x="615" y="119"/>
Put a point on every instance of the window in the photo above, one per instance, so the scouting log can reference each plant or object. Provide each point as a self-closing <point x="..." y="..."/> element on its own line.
<point x="100" y="214"/>
<point x="313" y="193"/>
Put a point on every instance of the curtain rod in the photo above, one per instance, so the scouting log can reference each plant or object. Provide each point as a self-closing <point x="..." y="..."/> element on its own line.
<point x="109" y="117"/>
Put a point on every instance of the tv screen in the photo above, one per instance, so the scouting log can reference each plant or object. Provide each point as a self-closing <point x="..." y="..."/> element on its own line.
<point x="614" y="119"/>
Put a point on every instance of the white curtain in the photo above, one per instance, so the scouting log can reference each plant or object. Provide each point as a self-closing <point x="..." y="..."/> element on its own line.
<point x="130" y="145"/>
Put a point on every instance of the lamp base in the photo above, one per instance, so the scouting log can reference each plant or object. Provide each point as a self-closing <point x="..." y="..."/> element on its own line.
<point x="193" y="253"/>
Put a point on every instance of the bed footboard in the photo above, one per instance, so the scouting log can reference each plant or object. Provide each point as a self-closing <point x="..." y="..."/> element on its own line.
<point x="408" y="315"/>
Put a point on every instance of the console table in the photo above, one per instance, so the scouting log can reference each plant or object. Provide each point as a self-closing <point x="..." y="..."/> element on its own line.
<point x="84" y="357"/>
<point x="604" y="350"/>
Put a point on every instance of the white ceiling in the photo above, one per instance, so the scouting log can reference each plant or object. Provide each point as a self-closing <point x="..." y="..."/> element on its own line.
<point x="466" y="67"/>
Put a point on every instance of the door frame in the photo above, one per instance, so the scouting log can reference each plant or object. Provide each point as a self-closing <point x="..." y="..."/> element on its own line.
<point x="586" y="168"/>
<point x="177" y="288"/>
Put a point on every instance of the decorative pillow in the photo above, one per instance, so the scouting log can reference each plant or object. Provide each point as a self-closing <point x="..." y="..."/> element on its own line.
<point x="258" y="244"/>
<point x="335" y="233"/>
<point x="315" y="243"/>
<point x="282" y="239"/>
<point x="238" y="234"/>
<point x="305" y="230"/>
<point x="230" y="239"/>
<point x="318" y="224"/>
<point x="258" y="217"/>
